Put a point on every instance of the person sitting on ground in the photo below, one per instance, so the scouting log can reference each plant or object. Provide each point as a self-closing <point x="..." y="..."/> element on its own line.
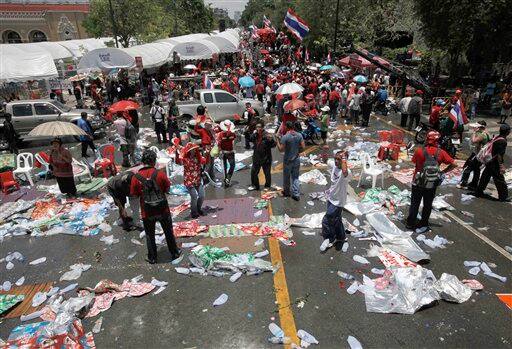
<point x="479" y="138"/>
<point x="427" y="177"/>
<point x="119" y="189"/>
<point x="332" y="224"/>
<point x="62" y="169"/>
<point x="495" y="168"/>
<point x="263" y="142"/>
<point x="151" y="186"/>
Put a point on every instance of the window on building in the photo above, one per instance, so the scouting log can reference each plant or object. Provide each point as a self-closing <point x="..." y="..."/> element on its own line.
<point x="37" y="36"/>
<point x="11" y="37"/>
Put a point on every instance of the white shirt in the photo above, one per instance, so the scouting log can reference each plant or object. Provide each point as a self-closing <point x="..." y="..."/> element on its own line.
<point x="338" y="190"/>
<point x="404" y="104"/>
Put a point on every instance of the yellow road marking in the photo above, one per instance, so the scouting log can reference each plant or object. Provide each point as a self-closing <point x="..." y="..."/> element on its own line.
<point x="287" y="321"/>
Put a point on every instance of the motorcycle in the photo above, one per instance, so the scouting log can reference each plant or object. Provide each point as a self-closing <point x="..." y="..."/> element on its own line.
<point x="312" y="132"/>
<point x="446" y="142"/>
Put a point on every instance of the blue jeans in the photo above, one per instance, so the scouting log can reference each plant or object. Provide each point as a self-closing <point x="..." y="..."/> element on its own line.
<point x="291" y="174"/>
<point x="332" y="225"/>
<point x="196" y="199"/>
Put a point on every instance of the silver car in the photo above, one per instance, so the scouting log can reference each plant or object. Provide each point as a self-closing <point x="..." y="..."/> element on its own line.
<point x="28" y="114"/>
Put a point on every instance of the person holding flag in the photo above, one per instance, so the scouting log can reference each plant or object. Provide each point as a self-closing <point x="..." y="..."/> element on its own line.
<point x="458" y="114"/>
<point x="207" y="83"/>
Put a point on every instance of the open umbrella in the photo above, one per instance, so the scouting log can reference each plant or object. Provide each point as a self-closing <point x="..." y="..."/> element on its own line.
<point x="123" y="106"/>
<point x="246" y="81"/>
<point x="190" y="67"/>
<point x="57" y="129"/>
<point x="294" y="104"/>
<point x="264" y="51"/>
<point x="326" y="67"/>
<point x="360" y="79"/>
<point x="289" y="88"/>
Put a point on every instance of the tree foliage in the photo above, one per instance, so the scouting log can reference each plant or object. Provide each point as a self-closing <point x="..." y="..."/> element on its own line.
<point x="147" y="21"/>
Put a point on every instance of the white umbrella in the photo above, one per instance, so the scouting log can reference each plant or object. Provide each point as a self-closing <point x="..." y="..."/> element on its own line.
<point x="57" y="129"/>
<point x="289" y="88"/>
<point x="190" y="66"/>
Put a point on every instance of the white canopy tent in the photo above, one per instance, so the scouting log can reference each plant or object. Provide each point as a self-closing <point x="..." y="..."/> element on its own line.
<point x="185" y="38"/>
<point x="80" y="47"/>
<point x="56" y="50"/>
<point x="153" y="55"/>
<point x="225" y="42"/>
<point x="19" y="63"/>
<point x="193" y="50"/>
<point x="105" y="59"/>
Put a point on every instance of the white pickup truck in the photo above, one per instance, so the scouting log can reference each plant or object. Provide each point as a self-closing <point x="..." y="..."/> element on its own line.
<point x="221" y="105"/>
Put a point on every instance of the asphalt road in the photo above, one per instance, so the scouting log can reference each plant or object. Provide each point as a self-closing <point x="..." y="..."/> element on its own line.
<point x="182" y="316"/>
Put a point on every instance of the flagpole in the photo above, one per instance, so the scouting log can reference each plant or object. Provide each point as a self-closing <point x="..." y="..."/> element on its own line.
<point x="336" y="26"/>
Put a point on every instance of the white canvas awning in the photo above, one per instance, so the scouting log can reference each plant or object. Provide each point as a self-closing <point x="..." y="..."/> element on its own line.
<point x="18" y="63"/>
<point x="194" y="50"/>
<point x="225" y="42"/>
<point x="153" y="55"/>
<point x="80" y="47"/>
<point x="105" y="59"/>
<point x="185" y="38"/>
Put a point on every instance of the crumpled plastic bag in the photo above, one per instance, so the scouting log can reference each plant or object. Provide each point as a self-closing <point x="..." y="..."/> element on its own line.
<point x="310" y="221"/>
<point x="451" y="289"/>
<point x="75" y="272"/>
<point x="313" y="177"/>
<point x="401" y="290"/>
<point x="395" y="239"/>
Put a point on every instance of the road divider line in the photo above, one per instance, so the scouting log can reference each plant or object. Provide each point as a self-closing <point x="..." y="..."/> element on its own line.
<point x="286" y="318"/>
<point x="480" y="236"/>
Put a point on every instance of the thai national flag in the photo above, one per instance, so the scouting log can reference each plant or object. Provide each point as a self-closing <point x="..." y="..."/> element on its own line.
<point x="207" y="83"/>
<point x="266" y="22"/>
<point x="458" y="115"/>
<point x="296" y="25"/>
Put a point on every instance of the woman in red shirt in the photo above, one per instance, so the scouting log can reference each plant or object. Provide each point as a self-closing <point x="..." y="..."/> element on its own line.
<point x="61" y="160"/>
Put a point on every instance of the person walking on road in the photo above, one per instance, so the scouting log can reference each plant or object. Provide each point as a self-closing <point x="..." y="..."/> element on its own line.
<point x="479" y="138"/>
<point x="291" y="144"/>
<point x="193" y="161"/>
<point x="86" y="140"/>
<point x="495" y="168"/>
<point x="127" y="137"/>
<point x="11" y="136"/>
<point x="151" y="185"/>
<point x="324" y="123"/>
<point x="427" y="177"/>
<point x="354" y="108"/>
<point x="414" y="109"/>
<point x="263" y="142"/>
<point x="332" y="224"/>
<point x="172" y="121"/>
<point x="158" y="116"/>
<point x="226" y="141"/>
<point x="403" y="106"/>
<point x="60" y="162"/>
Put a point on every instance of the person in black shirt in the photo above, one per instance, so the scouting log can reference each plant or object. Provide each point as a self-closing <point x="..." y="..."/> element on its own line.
<point x="11" y="136"/>
<point x="119" y="189"/>
<point x="263" y="142"/>
<point x="495" y="168"/>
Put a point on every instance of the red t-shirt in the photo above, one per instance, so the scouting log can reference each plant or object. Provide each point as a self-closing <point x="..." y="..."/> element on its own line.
<point x="313" y="87"/>
<point x="434" y="114"/>
<point x="136" y="189"/>
<point x="419" y="159"/>
<point x="226" y="139"/>
<point x="334" y="96"/>
<point x="260" y="89"/>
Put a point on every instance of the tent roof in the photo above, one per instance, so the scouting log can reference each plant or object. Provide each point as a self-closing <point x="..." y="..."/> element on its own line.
<point x="79" y="47"/>
<point x="56" y="50"/>
<point x="105" y="59"/>
<point x="22" y="64"/>
<point x="185" y="38"/>
<point x="198" y="49"/>
<point x="153" y="55"/>
<point x="226" y="43"/>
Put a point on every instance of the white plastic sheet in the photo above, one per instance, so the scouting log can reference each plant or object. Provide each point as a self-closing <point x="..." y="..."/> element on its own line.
<point x="393" y="238"/>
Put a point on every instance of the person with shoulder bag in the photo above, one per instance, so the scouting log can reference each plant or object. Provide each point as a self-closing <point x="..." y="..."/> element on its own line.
<point x="479" y="139"/>
<point x="427" y="177"/>
<point x="158" y="117"/>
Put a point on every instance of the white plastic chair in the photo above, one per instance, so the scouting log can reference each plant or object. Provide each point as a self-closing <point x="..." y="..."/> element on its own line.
<point x="368" y="168"/>
<point x="24" y="166"/>
<point x="80" y="169"/>
<point x="46" y="166"/>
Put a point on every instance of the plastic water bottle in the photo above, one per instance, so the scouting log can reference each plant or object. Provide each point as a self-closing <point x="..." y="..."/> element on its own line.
<point x="359" y="259"/>
<point x="306" y="337"/>
<point x="354" y="343"/>
<point x="275" y="330"/>
<point x="353" y="288"/>
<point x="345" y="276"/>
<point x="345" y="247"/>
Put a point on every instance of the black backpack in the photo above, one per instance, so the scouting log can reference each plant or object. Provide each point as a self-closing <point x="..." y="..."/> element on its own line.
<point x="429" y="176"/>
<point x="153" y="197"/>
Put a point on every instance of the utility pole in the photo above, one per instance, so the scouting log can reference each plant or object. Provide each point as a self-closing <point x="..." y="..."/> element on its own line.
<point x="114" y="27"/>
<point x="336" y="27"/>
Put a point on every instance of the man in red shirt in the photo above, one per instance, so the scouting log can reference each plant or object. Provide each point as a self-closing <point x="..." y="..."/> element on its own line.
<point x="313" y="87"/>
<point x="260" y="91"/>
<point x="193" y="161"/>
<point x="225" y="140"/>
<point x="334" y="102"/>
<point x="435" y="114"/>
<point x="162" y="214"/>
<point x="422" y="189"/>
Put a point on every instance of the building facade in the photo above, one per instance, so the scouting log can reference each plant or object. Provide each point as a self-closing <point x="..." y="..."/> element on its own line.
<point x="42" y="20"/>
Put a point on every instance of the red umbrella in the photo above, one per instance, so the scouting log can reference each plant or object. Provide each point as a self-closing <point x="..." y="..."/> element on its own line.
<point x="294" y="104"/>
<point x="121" y="106"/>
<point x="264" y="52"/>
